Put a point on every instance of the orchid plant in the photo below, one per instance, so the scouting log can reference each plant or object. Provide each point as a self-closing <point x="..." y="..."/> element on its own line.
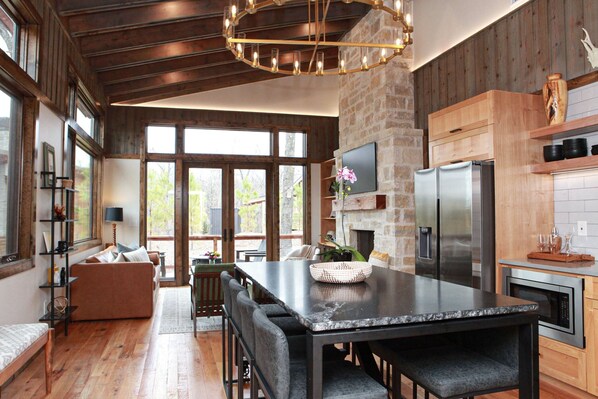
<point x="342" y="190"/>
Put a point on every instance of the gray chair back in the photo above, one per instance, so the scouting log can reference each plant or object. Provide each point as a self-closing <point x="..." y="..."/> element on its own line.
<point x="272" y="355"/>
<point x="246" y="307"/>
<point x="235" y="288"/>
<point x="225" y="279"/>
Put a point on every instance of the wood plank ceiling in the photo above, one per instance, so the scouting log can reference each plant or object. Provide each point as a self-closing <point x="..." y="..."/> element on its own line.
<point x="145" y="50"/>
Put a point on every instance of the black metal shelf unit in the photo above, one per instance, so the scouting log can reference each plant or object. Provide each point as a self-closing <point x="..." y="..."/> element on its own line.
<point x="66" y="196"/>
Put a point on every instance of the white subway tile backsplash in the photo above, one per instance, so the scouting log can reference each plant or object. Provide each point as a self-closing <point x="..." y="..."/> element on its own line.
<point x="576" y="193"/>
<point x="561" y="195"/>
<point x="569" y="206"/>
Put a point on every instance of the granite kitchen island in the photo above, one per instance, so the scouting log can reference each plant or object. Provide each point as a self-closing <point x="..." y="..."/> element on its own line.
<point x="392" y="304"/>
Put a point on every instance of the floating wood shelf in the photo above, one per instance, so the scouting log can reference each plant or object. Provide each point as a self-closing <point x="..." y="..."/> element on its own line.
<point x="568" y="129"/>
<point x="566" y="165"/>
<point x="363" y="203"/>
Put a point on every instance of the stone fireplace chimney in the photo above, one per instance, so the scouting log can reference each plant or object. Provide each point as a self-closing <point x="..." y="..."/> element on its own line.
<point x="378" y="106"/>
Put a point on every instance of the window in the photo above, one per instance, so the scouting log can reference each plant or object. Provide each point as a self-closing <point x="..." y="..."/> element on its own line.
<point x="85" y="118"/>
<point x="161" y="139"/>
<point x="10" y="166"/>
<point x="84" y="197"/>
<point x="291" y="144"/>
<point x="229" y="142"/>
<point x="291" y="200"/>
<point x="9" y="34"/>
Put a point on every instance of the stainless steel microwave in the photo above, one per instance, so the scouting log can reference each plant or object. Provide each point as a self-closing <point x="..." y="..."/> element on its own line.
<point x="560" y="300"/>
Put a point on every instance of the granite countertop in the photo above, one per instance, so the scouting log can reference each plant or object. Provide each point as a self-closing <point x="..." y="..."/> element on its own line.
<point x="387" y="297"/>
<point x="578" y="268"/>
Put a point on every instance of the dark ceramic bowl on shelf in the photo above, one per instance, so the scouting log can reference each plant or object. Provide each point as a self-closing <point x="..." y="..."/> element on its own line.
<point x="595" y="149"/>
<point x="553" y="153"/>
<point x="575" y="148"/>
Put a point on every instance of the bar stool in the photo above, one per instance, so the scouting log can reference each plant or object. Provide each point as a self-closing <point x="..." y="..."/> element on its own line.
<point x="458" y="366"/>
<point x="282" y="377"/>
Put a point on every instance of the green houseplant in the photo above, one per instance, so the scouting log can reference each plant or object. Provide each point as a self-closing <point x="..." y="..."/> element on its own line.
<point x="341" y="252"/>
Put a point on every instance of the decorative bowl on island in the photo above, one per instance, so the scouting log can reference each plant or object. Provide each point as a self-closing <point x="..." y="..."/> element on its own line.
<point x="340" y="272"/>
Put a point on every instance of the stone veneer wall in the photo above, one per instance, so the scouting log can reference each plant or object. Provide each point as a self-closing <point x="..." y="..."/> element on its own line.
<point x="379" y="106"/>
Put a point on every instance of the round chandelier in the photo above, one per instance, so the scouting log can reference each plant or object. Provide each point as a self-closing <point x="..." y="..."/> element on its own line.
<point x="371" y="55"/>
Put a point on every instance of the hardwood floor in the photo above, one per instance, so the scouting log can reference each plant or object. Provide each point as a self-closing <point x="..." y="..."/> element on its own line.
<point x="129" y="359"/>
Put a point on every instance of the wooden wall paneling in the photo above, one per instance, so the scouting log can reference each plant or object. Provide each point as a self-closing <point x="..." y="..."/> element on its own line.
<point x="460" y="72"/>
<point x="427" y="80"/>
<point x="501" y="38"/>
<point x="435" y="81"/>
<point x="526" y="29"/>
<point x="514" y="50"/>
<point x="590" y="15"/>
<point x="481" y="62"/>
<point x="442" y="89"/>
<point x="490" y="55"/>
<point x="469" y="49"/>
<point x="419" y="100"/>
<point x="541" y="45"/>
<point x="576" y="54"/>
<point x="558" y="53"/>
<point x="451" y="78"/>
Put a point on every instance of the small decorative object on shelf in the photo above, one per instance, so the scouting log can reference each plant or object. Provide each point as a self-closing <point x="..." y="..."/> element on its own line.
<point x="67" y="183"/>
<point x="58" y="306"/>
<point x="62" y="247"/>
<point x="59" y="212"/>
<point x="555" y="99"/>
<point x="212" y="256"/>
<point x="53" y="274"/>
<point x="62" y="276"/>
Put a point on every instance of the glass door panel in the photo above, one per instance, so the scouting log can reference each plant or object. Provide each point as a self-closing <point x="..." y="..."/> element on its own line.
<point x="250" y="212"/>
<point x="291" y="196"/>
<point x="160" y="214"/>
<point x="205" y="211"/>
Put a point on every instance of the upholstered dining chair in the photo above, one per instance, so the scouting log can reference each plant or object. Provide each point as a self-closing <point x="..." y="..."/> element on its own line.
<point x="304" y="252"/>
<point x="281" y="376"/>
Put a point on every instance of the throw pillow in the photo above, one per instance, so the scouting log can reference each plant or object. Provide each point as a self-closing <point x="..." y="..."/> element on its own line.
<point x="120" y="258"/>
<point x="102" y="256"/>
<point x="139" y="255"/>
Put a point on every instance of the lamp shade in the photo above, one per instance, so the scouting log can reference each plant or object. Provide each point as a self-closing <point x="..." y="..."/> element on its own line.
<point x="113" y="214"/>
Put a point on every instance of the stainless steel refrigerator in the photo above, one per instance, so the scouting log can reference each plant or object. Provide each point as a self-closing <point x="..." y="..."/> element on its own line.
<point x="454" y="216"/>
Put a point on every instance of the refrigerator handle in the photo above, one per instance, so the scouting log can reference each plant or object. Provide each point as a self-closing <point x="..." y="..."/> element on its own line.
<point x="425" y="242"/>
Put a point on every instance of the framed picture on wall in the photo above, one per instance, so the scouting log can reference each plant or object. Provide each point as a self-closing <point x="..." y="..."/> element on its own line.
<point x="49" y="165"/>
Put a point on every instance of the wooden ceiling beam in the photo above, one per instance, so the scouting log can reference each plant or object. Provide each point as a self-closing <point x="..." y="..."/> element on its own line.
<point x="214" y="72"/>
<point x="180" y="64"/>
<point x="145" y="57"/>
<point x="187" y="30"/>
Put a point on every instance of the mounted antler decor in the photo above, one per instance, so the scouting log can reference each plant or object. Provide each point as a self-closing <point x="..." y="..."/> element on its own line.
<point x="592" y="51"/>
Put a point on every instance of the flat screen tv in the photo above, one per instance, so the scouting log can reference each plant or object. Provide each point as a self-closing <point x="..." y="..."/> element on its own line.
<point x="363" y="162"/>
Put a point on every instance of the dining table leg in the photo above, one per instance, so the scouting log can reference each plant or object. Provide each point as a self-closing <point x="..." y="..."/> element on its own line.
<point x="367" y="361"/>
<point x="314" y="366"/>
<point x="529" y="373"/>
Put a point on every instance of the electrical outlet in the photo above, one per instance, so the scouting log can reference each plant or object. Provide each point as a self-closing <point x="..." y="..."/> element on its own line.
<point x="582" y="228"/>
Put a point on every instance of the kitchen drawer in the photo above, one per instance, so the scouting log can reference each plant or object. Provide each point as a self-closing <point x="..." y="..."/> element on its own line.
<point x="476" y="144"/>
<point x="563" y="362"/>
<point x="591" y="290"/>
<point x="462" y="117"/>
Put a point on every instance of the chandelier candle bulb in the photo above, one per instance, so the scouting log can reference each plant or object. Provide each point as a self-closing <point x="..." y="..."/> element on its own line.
<point x="240" y="47"/>
<point x="255" y="51"/>
<point x="250" y="6"/>
<point x="226" y="25"/>
<point x="320" y="64"/>
<point x="297" y="63"/>
<point x="383" y="59"/>
<point x="342" y="69"/>
<point x="364" y="62"/>
<point x="274" y="65"/>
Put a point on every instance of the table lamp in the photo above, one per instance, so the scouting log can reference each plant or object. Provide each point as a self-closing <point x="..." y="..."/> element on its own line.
<point x="113" y="214"/>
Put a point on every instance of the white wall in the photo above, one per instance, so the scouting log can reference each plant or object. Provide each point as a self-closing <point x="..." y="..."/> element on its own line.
<point x="121" y="188"/>
<point x="441" y="24"/>
<point x="576" y="193"/>
<point x="21" y="299"/>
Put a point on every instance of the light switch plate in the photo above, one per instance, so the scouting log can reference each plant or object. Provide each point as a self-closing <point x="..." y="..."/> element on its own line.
<point x="582" y="228"/>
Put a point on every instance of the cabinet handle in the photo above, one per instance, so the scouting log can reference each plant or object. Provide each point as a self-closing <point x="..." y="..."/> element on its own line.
<point x="457" y="161"/>
<point x="455" y="130"/>
<point x="223" y="235"/>
<point x="232" y="236"/>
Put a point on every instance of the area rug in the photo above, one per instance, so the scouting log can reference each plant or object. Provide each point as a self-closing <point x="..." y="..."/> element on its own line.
<point x="176" y="314"/>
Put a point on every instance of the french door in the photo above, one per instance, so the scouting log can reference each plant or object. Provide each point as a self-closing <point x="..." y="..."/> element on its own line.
<point x="226" y="208"/>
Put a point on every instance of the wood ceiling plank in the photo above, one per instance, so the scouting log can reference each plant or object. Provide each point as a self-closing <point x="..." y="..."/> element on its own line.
<point x="70" y="7"/>
<point x="152" y="14"/>
<point x="191" y="29"/>
<point x="214" y="72"/>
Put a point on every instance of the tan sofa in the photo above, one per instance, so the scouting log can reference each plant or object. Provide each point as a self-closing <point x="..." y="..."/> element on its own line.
<point x="120" y="290"/>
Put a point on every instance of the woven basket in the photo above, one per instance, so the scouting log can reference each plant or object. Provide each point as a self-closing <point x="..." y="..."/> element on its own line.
<point x="340" y="272"/>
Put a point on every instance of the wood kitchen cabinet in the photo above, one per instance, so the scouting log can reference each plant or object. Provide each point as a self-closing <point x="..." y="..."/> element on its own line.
<point x="591" y="332"/>
<point x="494" y="126"/>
